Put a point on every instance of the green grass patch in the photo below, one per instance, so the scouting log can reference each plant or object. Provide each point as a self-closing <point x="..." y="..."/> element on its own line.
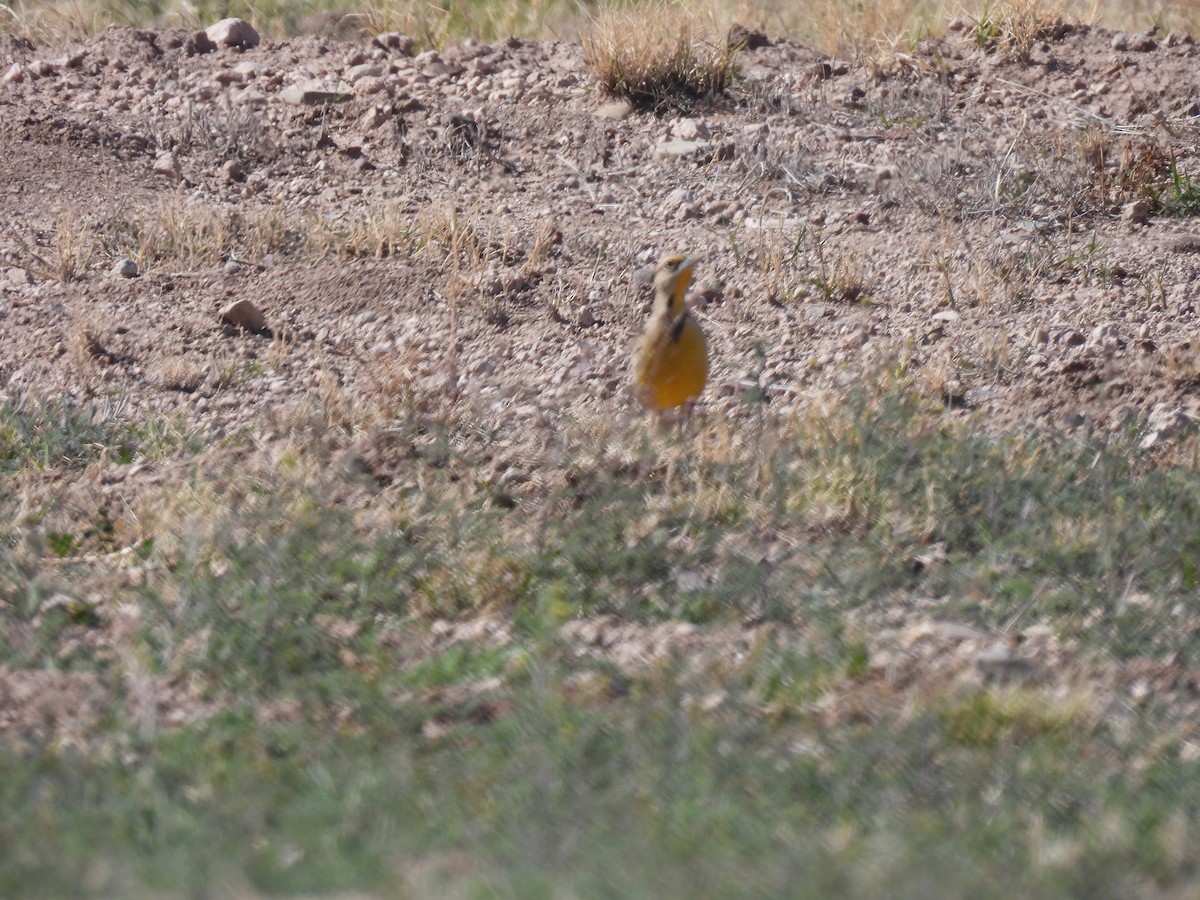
<point x="52" y="434"/>
<point x="316" y="733"/>
<point x="639" y="800"/>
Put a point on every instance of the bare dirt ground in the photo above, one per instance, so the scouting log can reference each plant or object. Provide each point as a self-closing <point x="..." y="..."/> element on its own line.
<point x="471" y="225"/>
<point x="959" y="207"/>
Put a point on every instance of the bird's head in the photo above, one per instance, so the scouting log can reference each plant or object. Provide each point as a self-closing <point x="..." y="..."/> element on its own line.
<point x="672" y="277"/>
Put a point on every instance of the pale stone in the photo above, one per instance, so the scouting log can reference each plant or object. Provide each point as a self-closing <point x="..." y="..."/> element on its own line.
<point x="244" y="314"/>
<point x="233" y="33"/>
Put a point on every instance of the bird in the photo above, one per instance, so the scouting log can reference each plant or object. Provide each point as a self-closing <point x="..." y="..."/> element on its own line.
<point x="671" y="364"/>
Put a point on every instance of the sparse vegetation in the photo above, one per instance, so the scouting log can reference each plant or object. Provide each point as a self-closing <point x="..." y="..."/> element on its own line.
<point x="656" y="54"/>
<point x="398" y="596"/>
<point x="1015" y="25"/>
<point x="873" y="30"/>
<point x="303" y="701"/>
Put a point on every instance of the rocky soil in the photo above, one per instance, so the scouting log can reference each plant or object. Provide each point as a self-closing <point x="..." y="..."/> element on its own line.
<point x="473" y="227"/>
<point x="968" y="211"/>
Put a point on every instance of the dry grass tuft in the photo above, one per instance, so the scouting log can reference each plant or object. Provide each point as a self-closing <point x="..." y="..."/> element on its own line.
<point x="862" y="29"/>
<point x="89" y="337"/>
<point x="193" y="236"/>
<point x="177" y="372"/>
<point x="54" y="23"/>
<point x="380" y="231"/>
<point x="658" y="53"/>
<point x="71" y="254"/>
<point x="1016" y="25"/>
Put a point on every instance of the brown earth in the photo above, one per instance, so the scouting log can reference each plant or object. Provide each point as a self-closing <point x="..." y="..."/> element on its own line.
<point x="962" y="212"/>
<point x="957" y="208"/>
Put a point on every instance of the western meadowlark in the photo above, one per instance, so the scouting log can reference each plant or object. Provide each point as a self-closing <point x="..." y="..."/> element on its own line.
<point x="671" y="365"/>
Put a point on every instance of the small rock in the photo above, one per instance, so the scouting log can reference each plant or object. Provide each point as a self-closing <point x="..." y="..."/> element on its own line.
<point x="999" y="661"/>
<point x="232" y="170"/>
<point x="1041" y="335"/>
<point x="945" y="315"/>
<point x="233" y="33"/>
<point x="618" y="109"/>
<point x="817" y="312"/>
<point x="1104" y="335"/>
<point x="1141" y="43"/>
<point x="15" y="75"/>
<point x="374" y="117"/>
<point x="1073" y="338"/>
<point x="17" y="275"/>
<point x="690" y="130"/>
<point x="1136" y="213"/>
<point x="252" y="98"/>
<point x="586" y="317"/>
<point x="1120" y="41"/>
<point x="1165" y="422"/>
<point x="125" y="268"/>
<point x="165" y="164"/>
<point x="678" y="149"/>
<point x="366" y="70"/>
<point x="244" y="314"/>
<point x="956" y="632"/>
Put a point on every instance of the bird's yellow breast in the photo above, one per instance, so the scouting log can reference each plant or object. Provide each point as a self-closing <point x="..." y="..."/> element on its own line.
<point x="672" y="364"/>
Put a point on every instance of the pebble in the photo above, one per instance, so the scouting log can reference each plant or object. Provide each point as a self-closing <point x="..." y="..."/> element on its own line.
<point x="1073" y="338"/>
<point x="244" y="314"/>
<point x="233" y="32"/>
<point x="165" y="164"/>
<point x="1136" y="213"/>
<point x="1166" y="422"/>
<point x="301" y="96"/>
<point x="366" y="70"/>
<point x="125" y="268"/>
<point x="375" y="117"/>
<point x="678" y="149"/>
<point x="1104" y="335"/>
<point x="618" y="109"/>
<point x="1000" y="662"/>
